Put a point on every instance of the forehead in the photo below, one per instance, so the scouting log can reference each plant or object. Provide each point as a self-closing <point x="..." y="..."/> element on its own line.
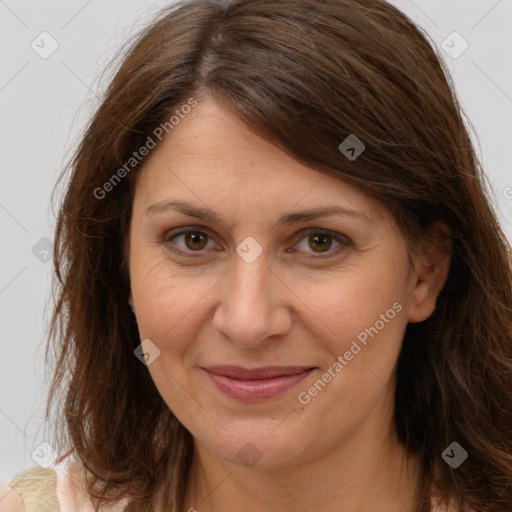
<point x="214" y="156"/>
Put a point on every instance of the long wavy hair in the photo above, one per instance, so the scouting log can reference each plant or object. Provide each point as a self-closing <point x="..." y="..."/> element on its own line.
<point x="303" y="74"/>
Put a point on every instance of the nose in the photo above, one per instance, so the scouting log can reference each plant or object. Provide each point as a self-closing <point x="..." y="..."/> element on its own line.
<point x="252" y="311"/>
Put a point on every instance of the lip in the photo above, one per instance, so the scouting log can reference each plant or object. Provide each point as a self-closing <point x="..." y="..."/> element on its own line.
<point x="256" y="384"/>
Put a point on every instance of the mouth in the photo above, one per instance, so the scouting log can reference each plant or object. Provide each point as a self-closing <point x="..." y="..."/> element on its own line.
<point x="257" y="384"/>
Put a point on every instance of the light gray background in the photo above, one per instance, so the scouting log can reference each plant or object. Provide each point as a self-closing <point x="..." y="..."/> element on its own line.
<point x="45" y="102"/>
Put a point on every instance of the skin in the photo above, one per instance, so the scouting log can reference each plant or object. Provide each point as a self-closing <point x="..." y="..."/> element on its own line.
<point x="289" y="307"/>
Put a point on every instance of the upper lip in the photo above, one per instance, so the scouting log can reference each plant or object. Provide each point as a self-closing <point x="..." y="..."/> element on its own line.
<point x="267" y="372"/>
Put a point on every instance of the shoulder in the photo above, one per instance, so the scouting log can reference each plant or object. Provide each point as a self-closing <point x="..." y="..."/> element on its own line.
<point x="10" y="500"/>
<point x="55" y="489"/>
<point x="31" y="489"/>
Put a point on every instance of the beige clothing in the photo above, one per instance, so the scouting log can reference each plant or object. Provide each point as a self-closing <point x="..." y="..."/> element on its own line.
<point x="55" y="489"/>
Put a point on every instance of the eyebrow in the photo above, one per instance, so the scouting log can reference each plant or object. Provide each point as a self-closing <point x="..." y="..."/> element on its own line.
<point x="206" y="214"/>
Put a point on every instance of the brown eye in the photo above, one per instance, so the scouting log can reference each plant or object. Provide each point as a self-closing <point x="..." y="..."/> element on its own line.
<point x="192" y="240"/>
<point x="195" y="240"/>
<point x="320" y="243"/>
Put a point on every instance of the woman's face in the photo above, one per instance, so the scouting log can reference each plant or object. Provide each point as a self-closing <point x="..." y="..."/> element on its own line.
<point x="274" y="332"/>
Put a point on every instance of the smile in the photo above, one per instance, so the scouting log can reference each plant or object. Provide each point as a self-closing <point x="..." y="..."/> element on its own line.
<point x="256" y="385"/>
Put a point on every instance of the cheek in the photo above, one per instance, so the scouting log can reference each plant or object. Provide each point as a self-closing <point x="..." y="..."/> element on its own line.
<point x="355" y="302"/>
<point x="168" y="308"/>
<point x="362" y="326"/>
<point x="170" y="304"/>
<point x="363" y="320"/>
<point x="165" y="305"/>
<point x="337" y="306"/>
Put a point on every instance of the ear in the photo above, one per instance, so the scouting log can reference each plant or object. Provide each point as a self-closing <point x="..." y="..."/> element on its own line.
<point x="432" y="266"/>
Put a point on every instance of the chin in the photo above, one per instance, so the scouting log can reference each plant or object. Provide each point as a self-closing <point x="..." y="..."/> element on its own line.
<point x="263" y="444"/>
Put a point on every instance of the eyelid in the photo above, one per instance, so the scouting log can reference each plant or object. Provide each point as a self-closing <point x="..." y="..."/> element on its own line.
<point x="337" y="236"/>
<point x="343" y="240"/>
<point x="183" y="231"/>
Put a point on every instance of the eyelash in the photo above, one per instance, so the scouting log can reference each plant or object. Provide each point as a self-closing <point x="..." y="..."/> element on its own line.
<point x="342" y="240"/>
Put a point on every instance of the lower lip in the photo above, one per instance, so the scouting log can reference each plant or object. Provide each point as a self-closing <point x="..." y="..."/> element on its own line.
<point x="256" y="390"/>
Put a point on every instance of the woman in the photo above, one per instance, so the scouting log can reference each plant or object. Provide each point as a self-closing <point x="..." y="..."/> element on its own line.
<point x="282" y="285"/>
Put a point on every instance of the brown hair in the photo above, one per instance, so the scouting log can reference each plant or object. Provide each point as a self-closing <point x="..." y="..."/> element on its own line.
<point x="303" y="74"/>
